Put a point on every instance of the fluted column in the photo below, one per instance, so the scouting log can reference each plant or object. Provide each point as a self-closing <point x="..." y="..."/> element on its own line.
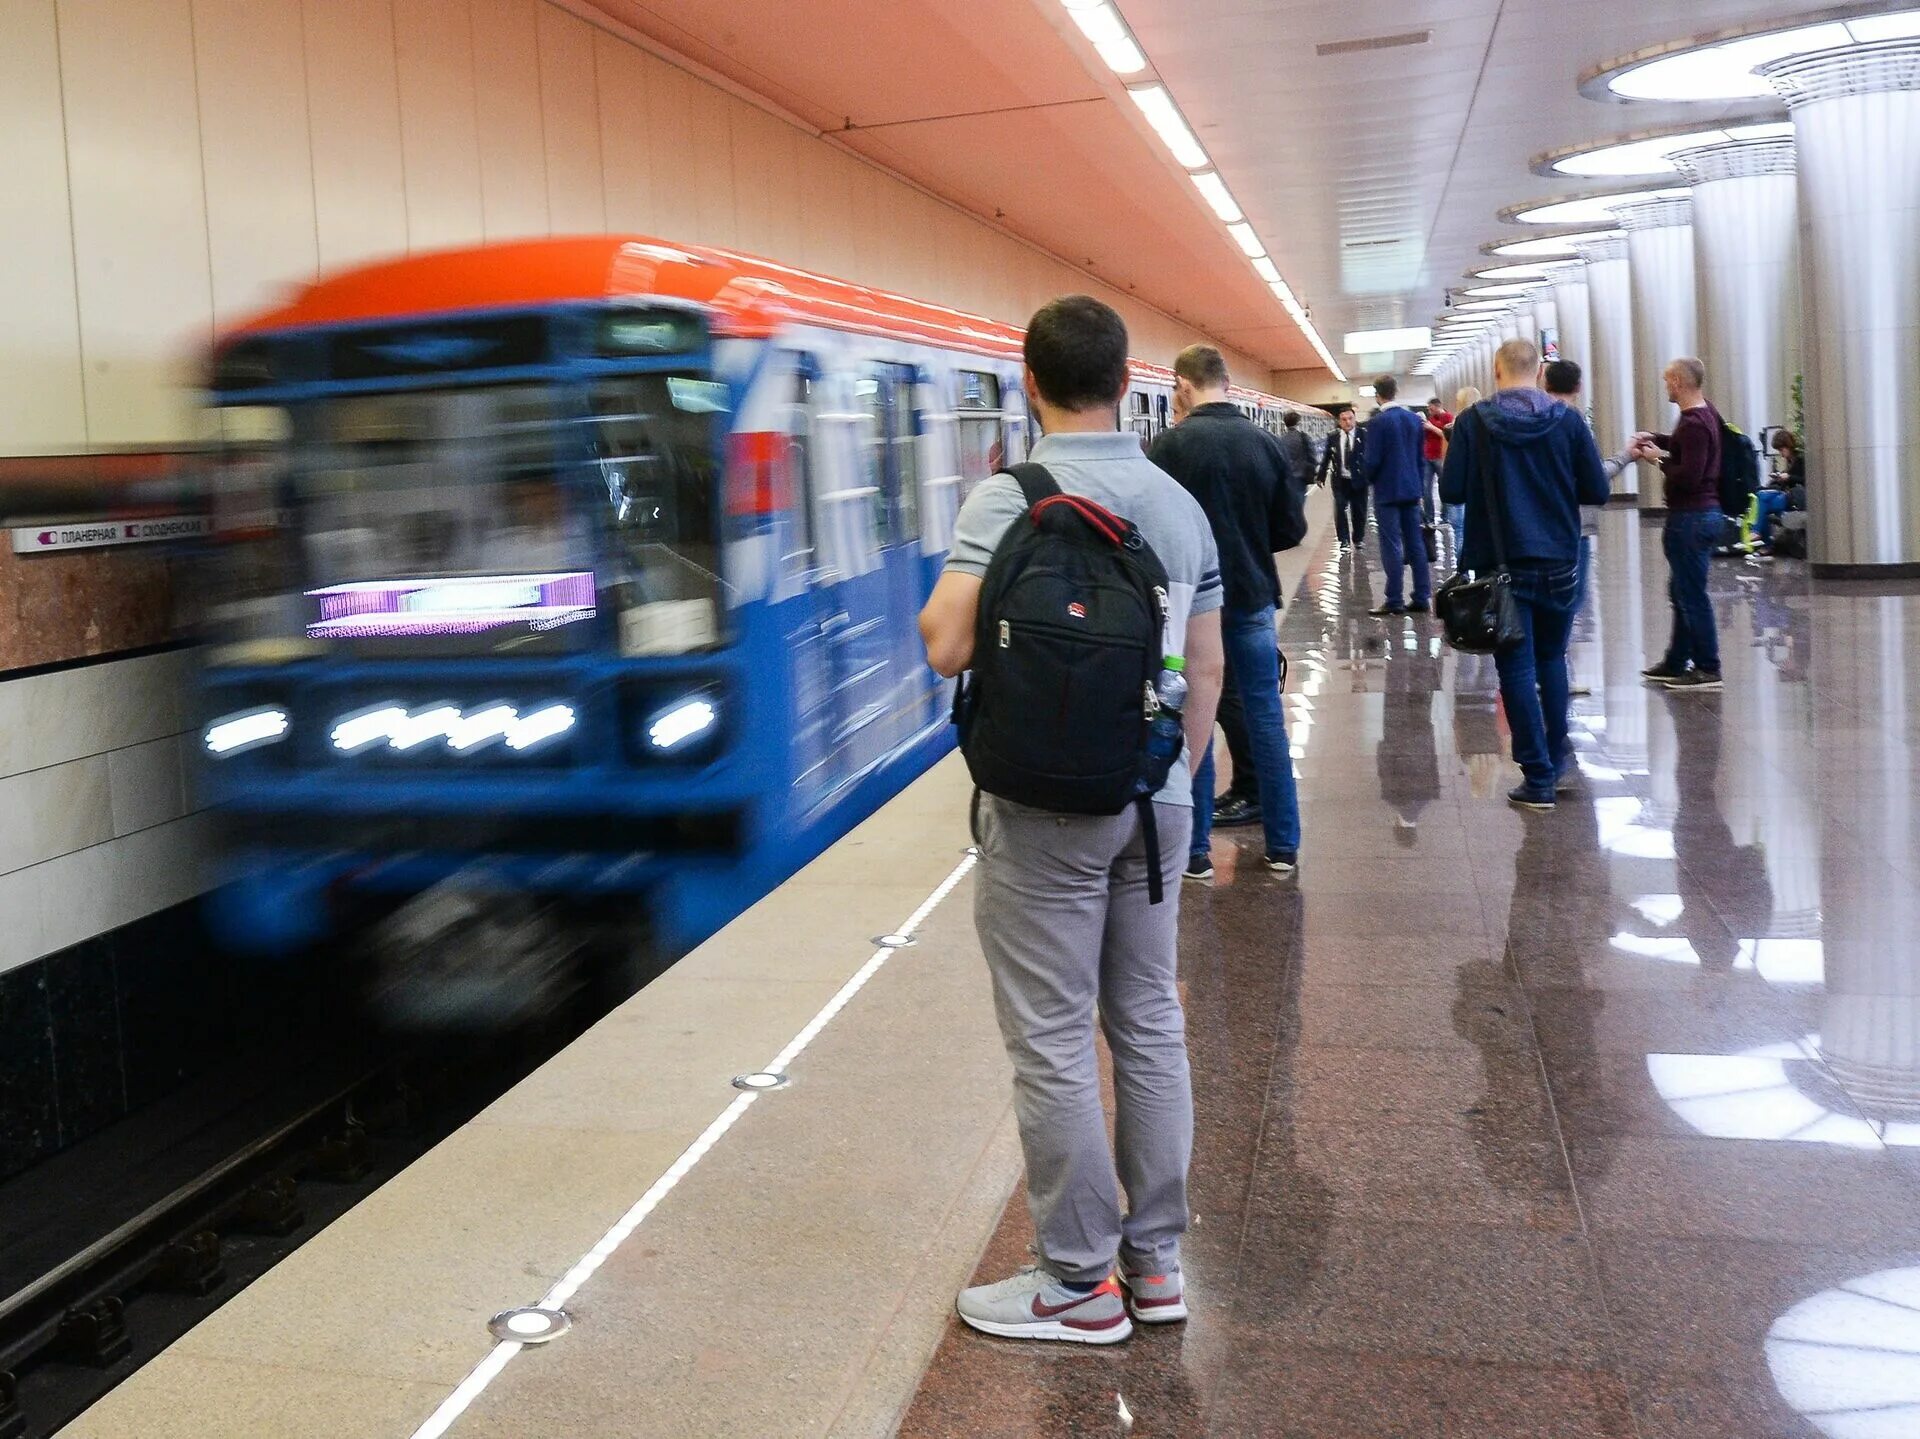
<point x="1610" y="391"/>
<point x="1665" y="307"/>
<point x="1571" y="309"/>
<point x="1856" y="128"/>
<point x="1746" y="244"/>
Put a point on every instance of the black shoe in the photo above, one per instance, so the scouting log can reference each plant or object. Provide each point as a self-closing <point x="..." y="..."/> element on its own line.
<point x="1527" y="797"/>
<point x="1199" y="867"/>
<point x="1695" y="680"/>
<point x="1388" y="611"/>
<point x="1419" y="607"/>
<point x="1662" y="673"/>
<point x="1231" y="810"/>
<point x="1283" y="861"/>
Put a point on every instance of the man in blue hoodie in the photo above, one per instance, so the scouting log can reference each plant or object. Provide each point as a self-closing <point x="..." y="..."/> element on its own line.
<point x="1393" y="461"/>
<point x="1541" y="456"/>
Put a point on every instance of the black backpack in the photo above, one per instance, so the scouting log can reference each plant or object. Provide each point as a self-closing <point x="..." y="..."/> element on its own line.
<point x="1056" y="710"/>
<point x="1739" y="470"/>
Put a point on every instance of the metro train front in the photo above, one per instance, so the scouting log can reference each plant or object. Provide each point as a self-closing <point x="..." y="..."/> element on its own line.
<point x="582" y="569"/>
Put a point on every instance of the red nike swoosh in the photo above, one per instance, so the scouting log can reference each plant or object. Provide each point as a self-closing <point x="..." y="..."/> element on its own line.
<point x="1051" y="1311"/>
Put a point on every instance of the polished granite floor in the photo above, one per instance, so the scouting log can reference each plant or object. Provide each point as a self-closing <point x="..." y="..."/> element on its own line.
<point x="1598" y="1123"/>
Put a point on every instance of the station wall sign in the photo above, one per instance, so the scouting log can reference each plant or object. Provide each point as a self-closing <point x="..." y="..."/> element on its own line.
<point x="44" y="539"/>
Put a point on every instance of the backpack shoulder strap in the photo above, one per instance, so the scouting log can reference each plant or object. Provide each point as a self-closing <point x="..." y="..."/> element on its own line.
<point x="1036" y="484"/>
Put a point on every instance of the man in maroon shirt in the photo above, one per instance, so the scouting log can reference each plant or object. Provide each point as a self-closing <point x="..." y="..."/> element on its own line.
<point x="1690" y="461"/>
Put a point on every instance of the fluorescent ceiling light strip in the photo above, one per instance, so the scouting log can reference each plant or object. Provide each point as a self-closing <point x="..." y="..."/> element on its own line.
<point x="490" y="1368"/>
<point x="1267" y="270"/>
<point x="1248" y="242"/>
<point x="1169" y="124"/>
<point x="1218" y="196"/>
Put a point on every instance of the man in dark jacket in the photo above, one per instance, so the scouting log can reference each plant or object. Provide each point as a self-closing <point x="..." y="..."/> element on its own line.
<point x="1298" y="450"/>
<point x="1394" y="462"/>
<point x="1691" y="463"/>
<point x="1545" y="465"/>
<point x="1237" y="472"/>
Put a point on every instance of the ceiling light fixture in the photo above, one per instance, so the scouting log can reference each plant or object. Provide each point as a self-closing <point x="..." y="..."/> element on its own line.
<point x="1649" y="153"/>
<point x="1169" y="124"/>
<point x="1209" y="183"/>
<point x="1514" y="290"/>
<point x="1512" y="272"/>
<point x="1585" y="209"/>
<point x="1721" y="67"/>
<point x="1564" y="246"/>
<point x="1266" y="269"/>
<point x="1380" y="342"/>
<point x="1101" y="24"/>
<point x="1248" y="242"/>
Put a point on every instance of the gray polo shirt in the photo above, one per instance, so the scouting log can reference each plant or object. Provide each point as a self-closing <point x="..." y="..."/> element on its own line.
<point x="1110" y="469"/>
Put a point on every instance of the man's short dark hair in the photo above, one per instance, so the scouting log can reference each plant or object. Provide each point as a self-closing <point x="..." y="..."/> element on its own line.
<point x="1386" y="387"/>
<point x="1291" y="420"/>
<point x="1563" y="377"/>
<point x="1201" y="366"/>
<point x="1077" y="350"/>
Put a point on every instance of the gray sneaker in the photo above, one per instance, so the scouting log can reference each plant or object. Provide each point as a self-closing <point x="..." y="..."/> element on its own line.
<point x="1155" y="1298"/>
<point x="1035" y="1305"/>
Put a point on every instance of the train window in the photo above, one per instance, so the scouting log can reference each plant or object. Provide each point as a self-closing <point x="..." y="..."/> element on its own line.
<point x="250" y="599"/>
<point x="443" y="519"/>
<point x="794" y="524"/>
<point x="891" y="441"/>
<point x="655" y="440"/>
<point x="978" y="390"/>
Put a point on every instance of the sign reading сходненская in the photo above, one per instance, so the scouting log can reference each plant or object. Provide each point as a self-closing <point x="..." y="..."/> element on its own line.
<point x="44" y="539"/>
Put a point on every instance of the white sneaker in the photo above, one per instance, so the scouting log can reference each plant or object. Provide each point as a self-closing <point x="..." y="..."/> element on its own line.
<point x="1035" y="1305"/>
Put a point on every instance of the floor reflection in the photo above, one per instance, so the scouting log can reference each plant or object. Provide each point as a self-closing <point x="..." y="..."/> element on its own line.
<point x="1571" y="1124"/>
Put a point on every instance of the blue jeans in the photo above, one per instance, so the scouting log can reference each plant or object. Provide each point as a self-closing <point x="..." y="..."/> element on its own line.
<point x="1253" y="664"/>
<point x="1430" y="486"/>
<point x="1401" y="544"/>
<point x="1457" y="519"/>
<point x="1533" y="674"/>
<point x="1688" y="539"/>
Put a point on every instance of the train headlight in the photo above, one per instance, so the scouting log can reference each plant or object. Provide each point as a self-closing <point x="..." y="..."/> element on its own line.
<point x="232" y="733"/>
<point x="678" y="725"/>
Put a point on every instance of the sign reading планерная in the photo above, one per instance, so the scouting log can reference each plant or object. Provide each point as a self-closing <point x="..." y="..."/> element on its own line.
<point x="43" y="539"/>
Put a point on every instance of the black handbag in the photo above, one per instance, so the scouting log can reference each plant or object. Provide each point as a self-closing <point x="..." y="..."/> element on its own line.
<point x="1479" y="612"/>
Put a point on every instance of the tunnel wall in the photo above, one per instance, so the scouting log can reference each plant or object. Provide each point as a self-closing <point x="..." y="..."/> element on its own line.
<point x="175" y="164"/>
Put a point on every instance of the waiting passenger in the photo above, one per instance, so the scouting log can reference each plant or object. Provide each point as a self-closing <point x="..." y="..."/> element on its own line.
<point x="1563" y="381"/>
<point x="1396" y="477"/>
<point x="1690" y="460"/>
<point x="1298" y="449"/>
<point x="1239" y="474"/>
<point x="1061" y="900"/>
<point x="1340" y="466"/>
<point x="1464" y="399"/>
<point x="1541" y="459"/>
<point x="1787" y="490"/>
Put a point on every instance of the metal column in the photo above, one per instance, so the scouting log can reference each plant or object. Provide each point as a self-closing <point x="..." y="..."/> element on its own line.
<point x="1571" y="307"/>
<point x="1665" y="309"/>
<point x="1610" y="394"/>
<point x="1856" y="125"/>
<point x="1747" y="255"/>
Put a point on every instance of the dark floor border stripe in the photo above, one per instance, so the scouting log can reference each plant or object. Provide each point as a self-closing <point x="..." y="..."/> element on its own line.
<point x="1905" y="570"/>
<point x="81" y="662"/>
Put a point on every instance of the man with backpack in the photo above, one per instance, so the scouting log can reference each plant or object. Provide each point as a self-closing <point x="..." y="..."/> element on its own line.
<point x="1240" y="476"/>
<point x="1690" y="459"/>
<point x="1076" y="897"/>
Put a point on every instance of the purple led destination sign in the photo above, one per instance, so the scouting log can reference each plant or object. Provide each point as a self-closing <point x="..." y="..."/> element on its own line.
<point x="468" y="605"/>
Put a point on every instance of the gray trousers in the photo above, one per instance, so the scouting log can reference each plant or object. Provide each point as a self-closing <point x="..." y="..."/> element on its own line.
<point x="1060" y="903"/>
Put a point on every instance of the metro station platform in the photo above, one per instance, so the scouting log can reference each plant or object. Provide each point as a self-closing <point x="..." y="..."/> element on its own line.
<point x="1593" y="1123"/>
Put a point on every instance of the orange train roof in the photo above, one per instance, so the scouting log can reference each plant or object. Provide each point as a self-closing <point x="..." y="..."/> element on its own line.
<point x="746" y="295"/>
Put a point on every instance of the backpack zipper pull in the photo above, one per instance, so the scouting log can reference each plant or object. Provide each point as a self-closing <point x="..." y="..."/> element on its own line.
<point x="1006" y="634"/>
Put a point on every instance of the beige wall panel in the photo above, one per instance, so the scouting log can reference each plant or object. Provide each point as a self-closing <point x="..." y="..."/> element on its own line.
<point x="439" y="128"/>
<point x="258" y="157"/>
<point x="353" y="105"/>
<point x="670" y="122"/>
<point x="569" y="100"/>
<point x="42" y="404"/>
<point x="758" y="147"/>
<point x="139" y="215"/>
<point x="513" y="153"/>
<point x="625" y="138"/>
<point x="796" y="201"/>
<point x="710" y="165"/>
<point x="833" y="217"/>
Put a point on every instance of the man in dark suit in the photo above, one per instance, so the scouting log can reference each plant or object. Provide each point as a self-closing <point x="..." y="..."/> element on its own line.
<point x="1340" y="467"/>
<point x="1298" y="449"/>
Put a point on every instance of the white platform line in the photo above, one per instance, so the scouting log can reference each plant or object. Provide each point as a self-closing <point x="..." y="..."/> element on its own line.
<point x="503" y="1353"/>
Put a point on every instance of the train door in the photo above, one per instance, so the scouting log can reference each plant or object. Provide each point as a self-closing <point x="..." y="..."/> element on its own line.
<point x="892" y="434"/>
<point x="807" y="592"/>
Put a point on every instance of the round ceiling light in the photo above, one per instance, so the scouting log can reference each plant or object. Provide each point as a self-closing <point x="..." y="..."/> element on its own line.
<point x="1541" y="271"/>
<point x="1650" y="152"/>
<point x="1584" y="209"/>
<point x="1563" y="246"/>
<point x="1511" y="291"/>
<point x="1720" y="66"/>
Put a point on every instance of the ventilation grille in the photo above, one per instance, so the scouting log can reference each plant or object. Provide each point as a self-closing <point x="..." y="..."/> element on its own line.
<point x="1375" y="42"/>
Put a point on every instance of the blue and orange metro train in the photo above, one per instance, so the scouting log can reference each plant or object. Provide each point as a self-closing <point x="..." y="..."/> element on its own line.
<point x="583" y="568"/>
